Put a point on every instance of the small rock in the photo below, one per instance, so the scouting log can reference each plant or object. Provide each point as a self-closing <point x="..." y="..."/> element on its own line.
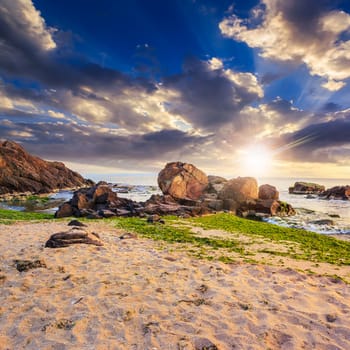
<point x="64" y="239"/>
<point x="128" y="235"/>
<point x="76" y="223"/>
<point x="204" y="344"/>
<point x="151" y="219"/>
<point x="25" y="265"/>
<point x="331" y="317"/>
<point x="310" y="196"/>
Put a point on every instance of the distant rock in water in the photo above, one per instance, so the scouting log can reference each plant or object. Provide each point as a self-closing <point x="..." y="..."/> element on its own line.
<point x="23" y="172"/>
<point x="182" y="181"/>
<point x="306" y="188"/>
<point x="337" y="192"/>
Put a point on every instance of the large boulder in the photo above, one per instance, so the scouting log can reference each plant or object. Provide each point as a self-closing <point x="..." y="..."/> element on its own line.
<point x="167" y="205"/>
<point x="306" y="188"/>
<point x="268" y="192"/>
<point x="182" y="181"/>
<point x="239" y="189"/>
<point x="337" y="192"/>
<point x="22" y="172"/>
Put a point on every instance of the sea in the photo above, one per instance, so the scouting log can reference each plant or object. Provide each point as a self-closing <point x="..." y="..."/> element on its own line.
<point x="140" y="187"/>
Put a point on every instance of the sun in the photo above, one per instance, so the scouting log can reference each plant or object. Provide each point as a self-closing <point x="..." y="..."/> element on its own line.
<point x="256" y="160"/>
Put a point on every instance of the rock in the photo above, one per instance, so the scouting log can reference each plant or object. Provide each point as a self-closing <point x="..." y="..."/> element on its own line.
<point x="151" y="219"/>
<point x="25" y="265"/>
<point x="106" y="213"/>
<point x="337" y="192"/>
<point x="323" y="222"/>
<point x="204" y="344"/>
<point x="240" y="189"/>
<point x="306" y="188"/>
<point x="76" y="223"/>
<point x="331" y="318"/>
<point x="265" y="206"/>
<point x="96" y="202"/>
<point x="182" y="181"/>
<point x="64" y="210"/>
<point x="310" y="196"/>
<point x="214" y="204"/>
<point x="268" y="192"/>
<point x="215" y="184"/>
<point x="23" y="172"/>
<point x="230" y="205"/>
<point x="128" y="235"/>
<point x="73" y="236"/>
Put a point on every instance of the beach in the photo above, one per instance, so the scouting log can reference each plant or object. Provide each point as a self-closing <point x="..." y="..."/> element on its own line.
<point x="137" y="293"/>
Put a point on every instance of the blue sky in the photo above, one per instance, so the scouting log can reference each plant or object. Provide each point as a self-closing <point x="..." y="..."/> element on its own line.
<point x="235" y="87"/>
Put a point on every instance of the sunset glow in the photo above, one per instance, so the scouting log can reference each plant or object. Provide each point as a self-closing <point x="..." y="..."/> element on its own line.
<point x="195" y="81"/>
<point x="256" y="161"/>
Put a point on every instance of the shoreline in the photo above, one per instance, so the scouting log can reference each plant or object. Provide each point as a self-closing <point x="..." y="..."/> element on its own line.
<point x="140" y="294"/>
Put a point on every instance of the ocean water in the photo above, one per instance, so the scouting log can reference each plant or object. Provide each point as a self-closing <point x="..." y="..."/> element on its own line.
<point x="309" y="210"/>
<point x="140" y="187"/>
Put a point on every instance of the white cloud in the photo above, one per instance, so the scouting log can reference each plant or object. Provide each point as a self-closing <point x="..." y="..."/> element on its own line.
<point x="21" y="15"/>
<point x="284" y="36"/>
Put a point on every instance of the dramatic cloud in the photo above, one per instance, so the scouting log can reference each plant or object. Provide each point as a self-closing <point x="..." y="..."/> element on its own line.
<point x="300" y="32"/>
<point x="327" y="141"/>
<point x="209" y="94"/>
<point x="98" y="145"/>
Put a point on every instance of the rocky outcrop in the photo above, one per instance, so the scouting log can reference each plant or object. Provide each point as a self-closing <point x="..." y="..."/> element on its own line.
<point x="97" y="202"/>
<point x="268" y="192"/>
<point x="306" y="188"/>
<point x="187" y="192"/>
<point x="182" y="181"/>
<point x="337" y="192"/>
<point x="23" y="172"/>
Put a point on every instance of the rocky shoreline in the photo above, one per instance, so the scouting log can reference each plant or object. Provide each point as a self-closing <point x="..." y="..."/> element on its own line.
<point x="187" y="191"/>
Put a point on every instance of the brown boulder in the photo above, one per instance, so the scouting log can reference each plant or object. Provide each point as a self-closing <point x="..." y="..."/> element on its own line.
<point x="23" y="172"/>
<point x="240" y="189"/>
<point x="73" y="236"/>
<point x="268" y="192"/>
<point x="64" y="210"/>
<point x="182" y="181"/>
<point x="337" y="192"/>
<point x="266" y="206"/>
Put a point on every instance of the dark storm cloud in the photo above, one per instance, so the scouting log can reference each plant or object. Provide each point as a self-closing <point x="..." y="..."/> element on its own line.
<point x="71" y="142"/>
<point x="318" y="142"/>
<point x="28" y="50"/>
<point x="210" y="97"/>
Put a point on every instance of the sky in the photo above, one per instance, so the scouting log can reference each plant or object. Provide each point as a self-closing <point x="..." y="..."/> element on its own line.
<point x="237" y="88"/>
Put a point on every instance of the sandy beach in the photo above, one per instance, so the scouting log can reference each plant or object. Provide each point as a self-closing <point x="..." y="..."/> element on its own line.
<point x="141" y="294"/>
